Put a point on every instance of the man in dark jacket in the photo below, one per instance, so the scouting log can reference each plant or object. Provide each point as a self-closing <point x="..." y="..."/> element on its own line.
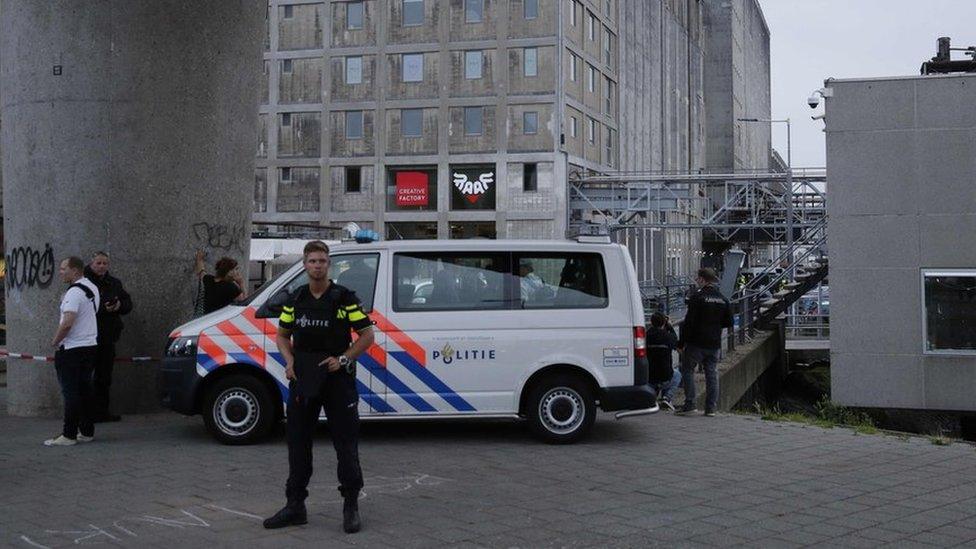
<point x="701" y="340"/>
<point x="115" y="303"/>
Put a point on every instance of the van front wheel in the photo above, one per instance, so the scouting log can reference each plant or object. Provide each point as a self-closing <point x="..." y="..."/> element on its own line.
<point x="238" y="410"/>
<point x="561" y="409"/>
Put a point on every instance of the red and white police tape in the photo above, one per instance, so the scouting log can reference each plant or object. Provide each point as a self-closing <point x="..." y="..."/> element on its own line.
<point x="25" y="356"/>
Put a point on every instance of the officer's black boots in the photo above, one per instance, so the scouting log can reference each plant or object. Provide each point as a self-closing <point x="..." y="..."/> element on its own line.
<point x="292" y="514"/>
<point x="350" y="514"/>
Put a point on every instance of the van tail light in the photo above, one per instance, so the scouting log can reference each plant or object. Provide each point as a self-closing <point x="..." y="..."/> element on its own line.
<point x="640" y="344"/>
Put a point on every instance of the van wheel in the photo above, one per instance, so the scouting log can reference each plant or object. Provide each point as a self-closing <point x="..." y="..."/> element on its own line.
<point x="561" y="409"/>
<point x="238" y="410"/>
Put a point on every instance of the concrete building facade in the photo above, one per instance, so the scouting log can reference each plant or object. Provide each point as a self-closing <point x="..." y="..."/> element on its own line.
<point x="380" y="112"/>
<point x="900" y="161"/>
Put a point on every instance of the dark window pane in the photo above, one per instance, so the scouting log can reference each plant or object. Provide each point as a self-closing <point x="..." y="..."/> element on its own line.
<point x="561" y="281"/>
<point x="289" y="12"/>
<point x="950" y="312"/>
<point x="450" y="281"/>
<point x="530" y="181"/>
<point x="354" y="180"/>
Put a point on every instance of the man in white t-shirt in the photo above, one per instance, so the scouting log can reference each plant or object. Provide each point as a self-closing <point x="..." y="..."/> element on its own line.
<point x="74" y="359"/>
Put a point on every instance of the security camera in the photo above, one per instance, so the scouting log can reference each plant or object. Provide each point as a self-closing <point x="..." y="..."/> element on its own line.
<point x="813" y="101"/>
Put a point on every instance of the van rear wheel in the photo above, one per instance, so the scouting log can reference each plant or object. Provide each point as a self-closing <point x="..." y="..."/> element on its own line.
<point x="561" y="409"/>
<point x="238" y="410"/>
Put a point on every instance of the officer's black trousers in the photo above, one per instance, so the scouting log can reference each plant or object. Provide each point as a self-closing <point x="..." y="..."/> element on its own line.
<point x="341" y="400"/>
<point x="104" y="363"/>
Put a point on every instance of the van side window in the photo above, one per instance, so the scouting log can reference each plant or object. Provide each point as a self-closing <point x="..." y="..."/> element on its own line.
<point x="449" y="281"/>
<point x="354" y="271"/>
<point x="561" y="281"/>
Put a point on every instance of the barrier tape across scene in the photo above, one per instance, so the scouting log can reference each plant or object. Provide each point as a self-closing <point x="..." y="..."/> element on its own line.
<point x="39" y="358"/>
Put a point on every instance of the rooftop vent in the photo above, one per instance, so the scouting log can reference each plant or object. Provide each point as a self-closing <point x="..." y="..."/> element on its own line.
<point x="942" y="63"/>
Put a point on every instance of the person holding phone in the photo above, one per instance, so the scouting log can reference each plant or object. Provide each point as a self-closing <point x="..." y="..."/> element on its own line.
<point x="115" y="302"/>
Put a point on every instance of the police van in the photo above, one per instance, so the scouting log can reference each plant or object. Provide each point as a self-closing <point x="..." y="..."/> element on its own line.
<point x="545" y="331"/>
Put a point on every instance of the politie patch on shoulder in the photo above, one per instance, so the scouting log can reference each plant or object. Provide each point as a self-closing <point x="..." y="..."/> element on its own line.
<point x="615" y="356"/>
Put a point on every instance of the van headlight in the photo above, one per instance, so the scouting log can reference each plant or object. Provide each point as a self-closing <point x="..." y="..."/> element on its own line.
<point x="182" y="346"/>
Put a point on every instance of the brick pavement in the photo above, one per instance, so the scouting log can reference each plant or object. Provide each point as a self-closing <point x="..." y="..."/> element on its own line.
<point x="159" y="481"/>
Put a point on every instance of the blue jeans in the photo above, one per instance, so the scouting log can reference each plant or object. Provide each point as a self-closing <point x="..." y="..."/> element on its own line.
<point x="708" y="358"/>
<point x="666" y="389"/>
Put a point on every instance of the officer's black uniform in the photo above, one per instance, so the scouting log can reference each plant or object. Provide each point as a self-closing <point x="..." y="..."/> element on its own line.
<point x="321" y="328"/>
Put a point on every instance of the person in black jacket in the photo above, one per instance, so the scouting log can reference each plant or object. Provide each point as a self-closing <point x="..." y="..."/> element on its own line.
<point x="701" y="340"/>
<point x="661" y="342"/>
<point x="115" y="302"/>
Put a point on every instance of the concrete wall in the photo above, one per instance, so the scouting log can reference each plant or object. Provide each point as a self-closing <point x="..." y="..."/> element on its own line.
<point x="142" y="146"/>
<point x="737" y="82"/>
<point x="900" y="161"/>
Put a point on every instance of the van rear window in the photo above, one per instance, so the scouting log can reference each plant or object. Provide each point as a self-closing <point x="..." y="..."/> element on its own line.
<point x="561" y="280"/>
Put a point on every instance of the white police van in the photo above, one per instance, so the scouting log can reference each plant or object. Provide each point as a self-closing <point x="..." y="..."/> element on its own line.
<point x="545" y="331"/>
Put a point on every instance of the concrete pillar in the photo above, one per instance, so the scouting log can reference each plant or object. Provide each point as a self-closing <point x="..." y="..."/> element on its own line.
<point x="128" y="126"/>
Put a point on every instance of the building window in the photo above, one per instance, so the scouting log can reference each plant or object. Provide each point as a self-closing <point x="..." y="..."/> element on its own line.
<point x="413" y="67"/>
<point x="609" y="8"/>
<point x="530" y="9"/>
<point x="607" y="47"/>
<point x="949" y="314"/>
<point x="354" y="70"/>
<point x="413" y="13"/>
<point x="609" y="146"/>
<point x="474" y="11"/>
<point x="590" y="26"/>
<point x="286" y="66"/>
<point x="285" y="119"/>
<point x="260" y="190"/>
<point x="590" y="79"/>
<point x="572" y="67"/>
<point x="354" y="124"/>
<point x="573" y="6"/>
<point x="354" y="179"/>
<point x="285" y="174"/>
<point x="472" y="65"/>
<point x="573" y="126"/>
<point x="412" y="122"/>
<point x="354" y="15"/>
<point x="530" y="123"/>
<point x="289" y="12"/>
<point x="473" y="120"/>
<point x="591" y="130"/>
<point x="298" y="190"/>
<point x="608" y="100"/>
<point x="530" y="62"/>
<point x="530" y="178"/>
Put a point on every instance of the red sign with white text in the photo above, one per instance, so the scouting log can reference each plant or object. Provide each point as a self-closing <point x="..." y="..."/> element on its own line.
<point x="411" y="189"/>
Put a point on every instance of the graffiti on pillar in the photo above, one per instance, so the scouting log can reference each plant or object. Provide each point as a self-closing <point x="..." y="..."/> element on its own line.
<point x="220" y="236"/>
<point x="30" y="268"/>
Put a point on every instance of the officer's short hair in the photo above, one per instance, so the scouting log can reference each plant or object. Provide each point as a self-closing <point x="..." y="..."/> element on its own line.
<point x="75" y="263"/>
<point x="315" y="246"/>
<point x="100" y="253"/>
<point x="708" y="275"/>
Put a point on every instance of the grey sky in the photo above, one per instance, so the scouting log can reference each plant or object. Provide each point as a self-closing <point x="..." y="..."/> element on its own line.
<point x="815" y="39"/>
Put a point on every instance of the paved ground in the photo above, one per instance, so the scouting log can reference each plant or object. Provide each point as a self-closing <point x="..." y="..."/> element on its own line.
<point x="159" y="481"/>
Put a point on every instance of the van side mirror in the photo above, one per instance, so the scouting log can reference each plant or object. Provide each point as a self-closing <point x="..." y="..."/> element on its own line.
<point x="272" y="307"/>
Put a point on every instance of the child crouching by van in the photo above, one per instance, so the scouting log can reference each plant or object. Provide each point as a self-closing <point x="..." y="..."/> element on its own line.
<point x="661" y="342"/>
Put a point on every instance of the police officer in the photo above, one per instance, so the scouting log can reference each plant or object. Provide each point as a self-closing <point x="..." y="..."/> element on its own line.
<point x="314" y="337"/>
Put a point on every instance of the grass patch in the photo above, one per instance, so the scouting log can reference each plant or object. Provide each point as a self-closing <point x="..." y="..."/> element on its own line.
<point x="828" y="416"/>
<point x="940" y="439"/>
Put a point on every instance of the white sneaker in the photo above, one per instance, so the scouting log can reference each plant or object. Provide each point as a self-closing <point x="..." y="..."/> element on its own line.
<point x="61" y="440"/>
<point x="83" y="438"/>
